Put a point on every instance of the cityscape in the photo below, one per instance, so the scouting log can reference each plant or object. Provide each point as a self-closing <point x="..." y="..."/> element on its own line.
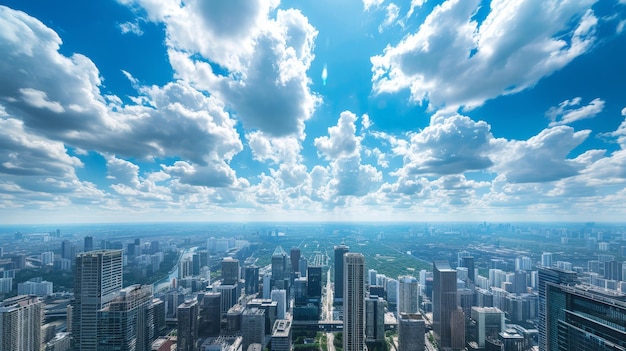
<point x="314" y="287"/>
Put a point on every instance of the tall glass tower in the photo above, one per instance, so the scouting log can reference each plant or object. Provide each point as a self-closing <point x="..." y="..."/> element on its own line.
<point x="354" y="302"/>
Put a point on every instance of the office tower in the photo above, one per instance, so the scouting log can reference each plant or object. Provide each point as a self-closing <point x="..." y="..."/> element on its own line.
<point x="302" y="266"/>
<point x="457" y="329"/>
<point x="353" y="302"/>
<point x="230" y="271"/>
<point x="251" y="280"/>
<point x="555" y="276"/>
<point x="280" y="296"/>
<point x="252" y="327"/>
<point x="300" y="291"/>
<point x="392" y="293"/>
<point x="546" y="259"/>
<point x="460" y="255"/>
<point x="523" y="263"/>
<point x="584" y="318"/>
<point x="613" y="270"/>
<point x="371" y="276"/>
<point x="314" y="282"/>
<point x="228" y="298"/>
<point x="281" y="335"/>
<point x="519" y="282"/>
<point x="294" y="257"/>
<point x="269" y="307"/>
<point x="158" y="313"/>
<point x="411" y="332"/>
<point x="209" y="323"/>
<point x="195" y="264"/>
<point x="468" y="262"/>
<point x="340" y="251"/>
<point x="375" y="321"/>
<point x="444" y="302"/>
<point x="489" y="323"/>
<point x="279" y="264"/>
<point x="67" y="250"/>
<point x="187" y="332"/>
<point x="408" y="294"/>
<point x="21" y="318"/>
<point x="88" y="243"/>
<point x="97" y="280"/>
<point x="127" y="322"/>
<point x="267" y="285"/>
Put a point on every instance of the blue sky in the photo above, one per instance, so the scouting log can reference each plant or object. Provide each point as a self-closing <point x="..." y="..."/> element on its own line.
<point x="374" y="110"/>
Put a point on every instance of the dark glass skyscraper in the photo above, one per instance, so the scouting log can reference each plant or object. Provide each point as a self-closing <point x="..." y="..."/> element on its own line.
<point x="444" y="302"/>
<point x="314" y="282"/>
<point x="354" y="302"/>
<point x="555" y="276"/>
<point x="581" y="318"/>
<point x="340" y="250"/>
<point x="187" y="326"/>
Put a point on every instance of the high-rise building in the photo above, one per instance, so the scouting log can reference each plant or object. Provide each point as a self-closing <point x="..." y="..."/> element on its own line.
<point x="67" y="250"/>
<point x="302" y="266"/>
<point x="444" y="302"/>
<point x="281" y="335"/>
<point x="371" y="276"/>
<point x="392" y="293"/>
<point x="230" y="271"/>
<point x="294" y="257"/>
<point x="411" y="332"/>
<point x="468" y="262"/>
<point x="314" y="282"/>
<point x="374" y="320"/>
<point x="280" y="296"/>
<point x="88" y="243"/>
<point x="97" y="281"/>
<point x="209" y="323"/>
<point x="353" y="302"/>
<point x="187" y="333"/>
<point x="229" y="297"/>
<point x="582" y="318"/>
<point x="555" y="276"/>
<point x="21" y="318"/>
<point x="546" y="259"/>
<point x="127" y="322"/>
<point x="340" y="251"/>
<point x="408" y="290"/>
<point x="613" y="270"/>
<point x="280" y="269"/>
<point x="251" y="280"/>
<point x="252" y="327"/>
<point x="489" y="323"/>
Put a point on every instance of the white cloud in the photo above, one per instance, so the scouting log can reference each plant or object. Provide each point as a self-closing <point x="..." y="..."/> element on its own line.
<point x="451" y="55"/>
<point x="542" y="158"/>
<point x="130" y="27"/>
<point x="342" y="140"/>
<point x="392" y="14"/>
<point x="277" y="150"/>
<point x="565" y="113"/>
<point x="371" y="4"/>
<point x="449" y="145"/>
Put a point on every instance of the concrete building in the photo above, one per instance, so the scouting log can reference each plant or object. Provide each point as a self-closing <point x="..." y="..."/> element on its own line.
<point x="489" y="323"/>
<point x="230" y="271"/>
<point x="411" y="332"/>
<point x="97" y="281"/>
<point x="353" y="302"/>
<point x="408" y="293"/>
<point x="187" y="334"/>
<point x="281" y="335"/>
<point x="253" y="327"/>
<point x="21" y="318"/>
<point x="444" y="302"/>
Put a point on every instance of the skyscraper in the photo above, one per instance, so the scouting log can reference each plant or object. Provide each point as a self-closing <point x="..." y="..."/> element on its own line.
<point x="411" y="331"/>
<point x="468" y="262"/>
<point x="230" y="271"/>
<point x="408" y="294"/>
<point x="127" y="322"/>
<point x="555" y="276"/>
<point x="251" y="276"/>
<point x="21" y="318"/>
<point x="187" y="317"/>
<point x="280" y="268"/>
<point x="489" y="322"/>
<point x="97" y="280"/>
<point x="354" y="302"/>
<point x="444" y="302"/>
<point x="314" y="282"/>
<point x="88" y="243"/>
<point x="294" y="257"/>
<point x="340" y="251"/>
<point x="375" y="321"/>
<point x="253" y="327"/>
<point x="546" y="259"/>
<point x="582" y="318"/>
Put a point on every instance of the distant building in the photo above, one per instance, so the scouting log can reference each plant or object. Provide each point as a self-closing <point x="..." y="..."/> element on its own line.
<point x="41" y="288"/>
<point x="314" y="282"/>
<point x="88" y="243"/>
<point x="408" y="294"/>
<point x="251" y="280"/>
<point x="294" y="257"/>
<point x="230" y="271"/>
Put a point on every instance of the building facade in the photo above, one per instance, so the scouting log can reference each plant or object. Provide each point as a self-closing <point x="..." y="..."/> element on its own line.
<point x="354" y="302"/>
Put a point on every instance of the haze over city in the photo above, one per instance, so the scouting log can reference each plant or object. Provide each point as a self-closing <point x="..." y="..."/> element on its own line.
<point x="142" y="111"/>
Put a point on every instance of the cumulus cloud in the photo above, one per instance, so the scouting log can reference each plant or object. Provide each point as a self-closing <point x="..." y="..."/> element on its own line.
<point x="371" y="4"/>
<point x="542" y="158"/>
<point x="257" y="65"/>
<point x="59" y="98"/>
<point x="391" y="15"/>
<point x="342" y="140"/>
<point x="449" y="145"/>
<point x="566" y="112"/>
<point x="451" y="54"/>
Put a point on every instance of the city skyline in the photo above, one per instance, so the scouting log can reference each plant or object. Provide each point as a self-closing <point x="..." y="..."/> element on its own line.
<point x="135" y="110"/>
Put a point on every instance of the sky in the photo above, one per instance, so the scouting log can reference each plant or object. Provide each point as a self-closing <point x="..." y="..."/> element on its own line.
<point x="326" y="110"/>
